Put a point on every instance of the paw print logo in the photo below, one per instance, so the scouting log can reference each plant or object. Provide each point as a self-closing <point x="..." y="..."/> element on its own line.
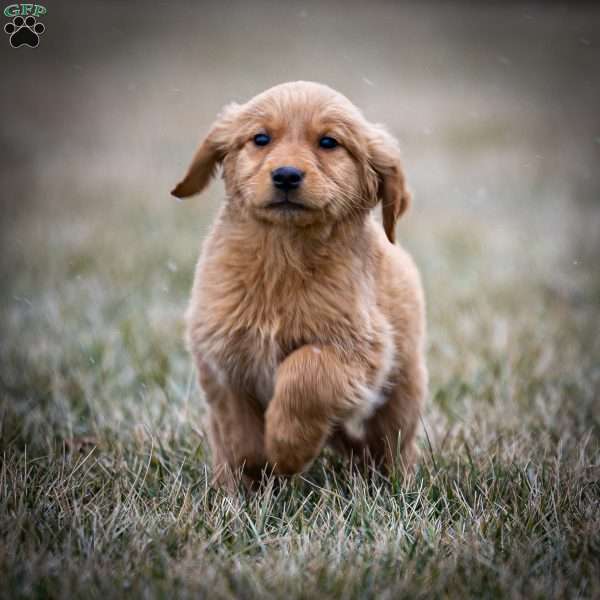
<point x="24" y="32"/>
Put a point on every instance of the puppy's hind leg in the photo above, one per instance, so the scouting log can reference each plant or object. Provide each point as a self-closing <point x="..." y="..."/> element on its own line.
<point x="391" y="431"/>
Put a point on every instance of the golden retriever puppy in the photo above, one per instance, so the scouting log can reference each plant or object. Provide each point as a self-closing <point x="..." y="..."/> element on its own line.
<point x="306" y="322"/>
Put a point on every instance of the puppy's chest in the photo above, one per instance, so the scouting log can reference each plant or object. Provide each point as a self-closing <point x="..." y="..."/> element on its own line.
<point x="251" y="326"/>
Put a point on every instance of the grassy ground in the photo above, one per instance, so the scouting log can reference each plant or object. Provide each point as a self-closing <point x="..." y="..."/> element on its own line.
<point x="104" y="472"/>
<point x="104" y="479"/>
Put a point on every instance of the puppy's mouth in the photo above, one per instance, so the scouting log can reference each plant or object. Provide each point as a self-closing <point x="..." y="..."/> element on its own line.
<point x="287" y="205"/>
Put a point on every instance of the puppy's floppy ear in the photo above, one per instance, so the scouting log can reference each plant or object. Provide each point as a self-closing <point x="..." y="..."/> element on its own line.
<point x="392" y="191"/>
<point x="211" y="153"/>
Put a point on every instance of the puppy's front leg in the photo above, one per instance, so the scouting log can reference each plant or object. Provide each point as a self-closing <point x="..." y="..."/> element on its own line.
<point x="236" y="432"/>
<point x="313" y="390"/>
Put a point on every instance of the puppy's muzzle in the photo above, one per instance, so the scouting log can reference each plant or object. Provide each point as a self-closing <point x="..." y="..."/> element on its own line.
<point x="287" y="178"/>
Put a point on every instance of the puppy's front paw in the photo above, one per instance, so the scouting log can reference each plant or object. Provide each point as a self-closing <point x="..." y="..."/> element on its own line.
<point x="291" y="444"/>
<point x="225" y="478"/>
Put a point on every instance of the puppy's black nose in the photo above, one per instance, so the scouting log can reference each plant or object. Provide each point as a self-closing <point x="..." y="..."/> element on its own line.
<point x="287" y="178"/>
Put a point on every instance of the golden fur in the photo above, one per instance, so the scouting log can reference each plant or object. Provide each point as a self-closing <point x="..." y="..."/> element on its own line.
<point x="307" y="326"/>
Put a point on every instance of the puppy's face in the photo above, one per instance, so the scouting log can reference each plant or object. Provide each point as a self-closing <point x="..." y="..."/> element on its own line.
<point x="300" y="158"/>
<point x="301" y="154"/>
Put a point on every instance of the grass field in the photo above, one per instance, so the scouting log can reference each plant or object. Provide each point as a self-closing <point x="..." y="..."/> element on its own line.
<point x="104" y="471"/>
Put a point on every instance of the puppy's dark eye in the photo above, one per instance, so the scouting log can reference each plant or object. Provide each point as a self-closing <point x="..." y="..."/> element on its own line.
<point x="328" y="142"/>
<point x="261" y="139"/>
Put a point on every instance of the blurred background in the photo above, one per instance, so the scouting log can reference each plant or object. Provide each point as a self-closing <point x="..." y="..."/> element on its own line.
<point x="496" y="107"/>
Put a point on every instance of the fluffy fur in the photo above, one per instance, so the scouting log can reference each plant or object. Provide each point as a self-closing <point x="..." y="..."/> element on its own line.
<point x="306" y="325"/>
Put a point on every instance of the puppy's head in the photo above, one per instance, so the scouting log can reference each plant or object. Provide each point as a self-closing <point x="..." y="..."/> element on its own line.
<point x="301" y="154"/>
